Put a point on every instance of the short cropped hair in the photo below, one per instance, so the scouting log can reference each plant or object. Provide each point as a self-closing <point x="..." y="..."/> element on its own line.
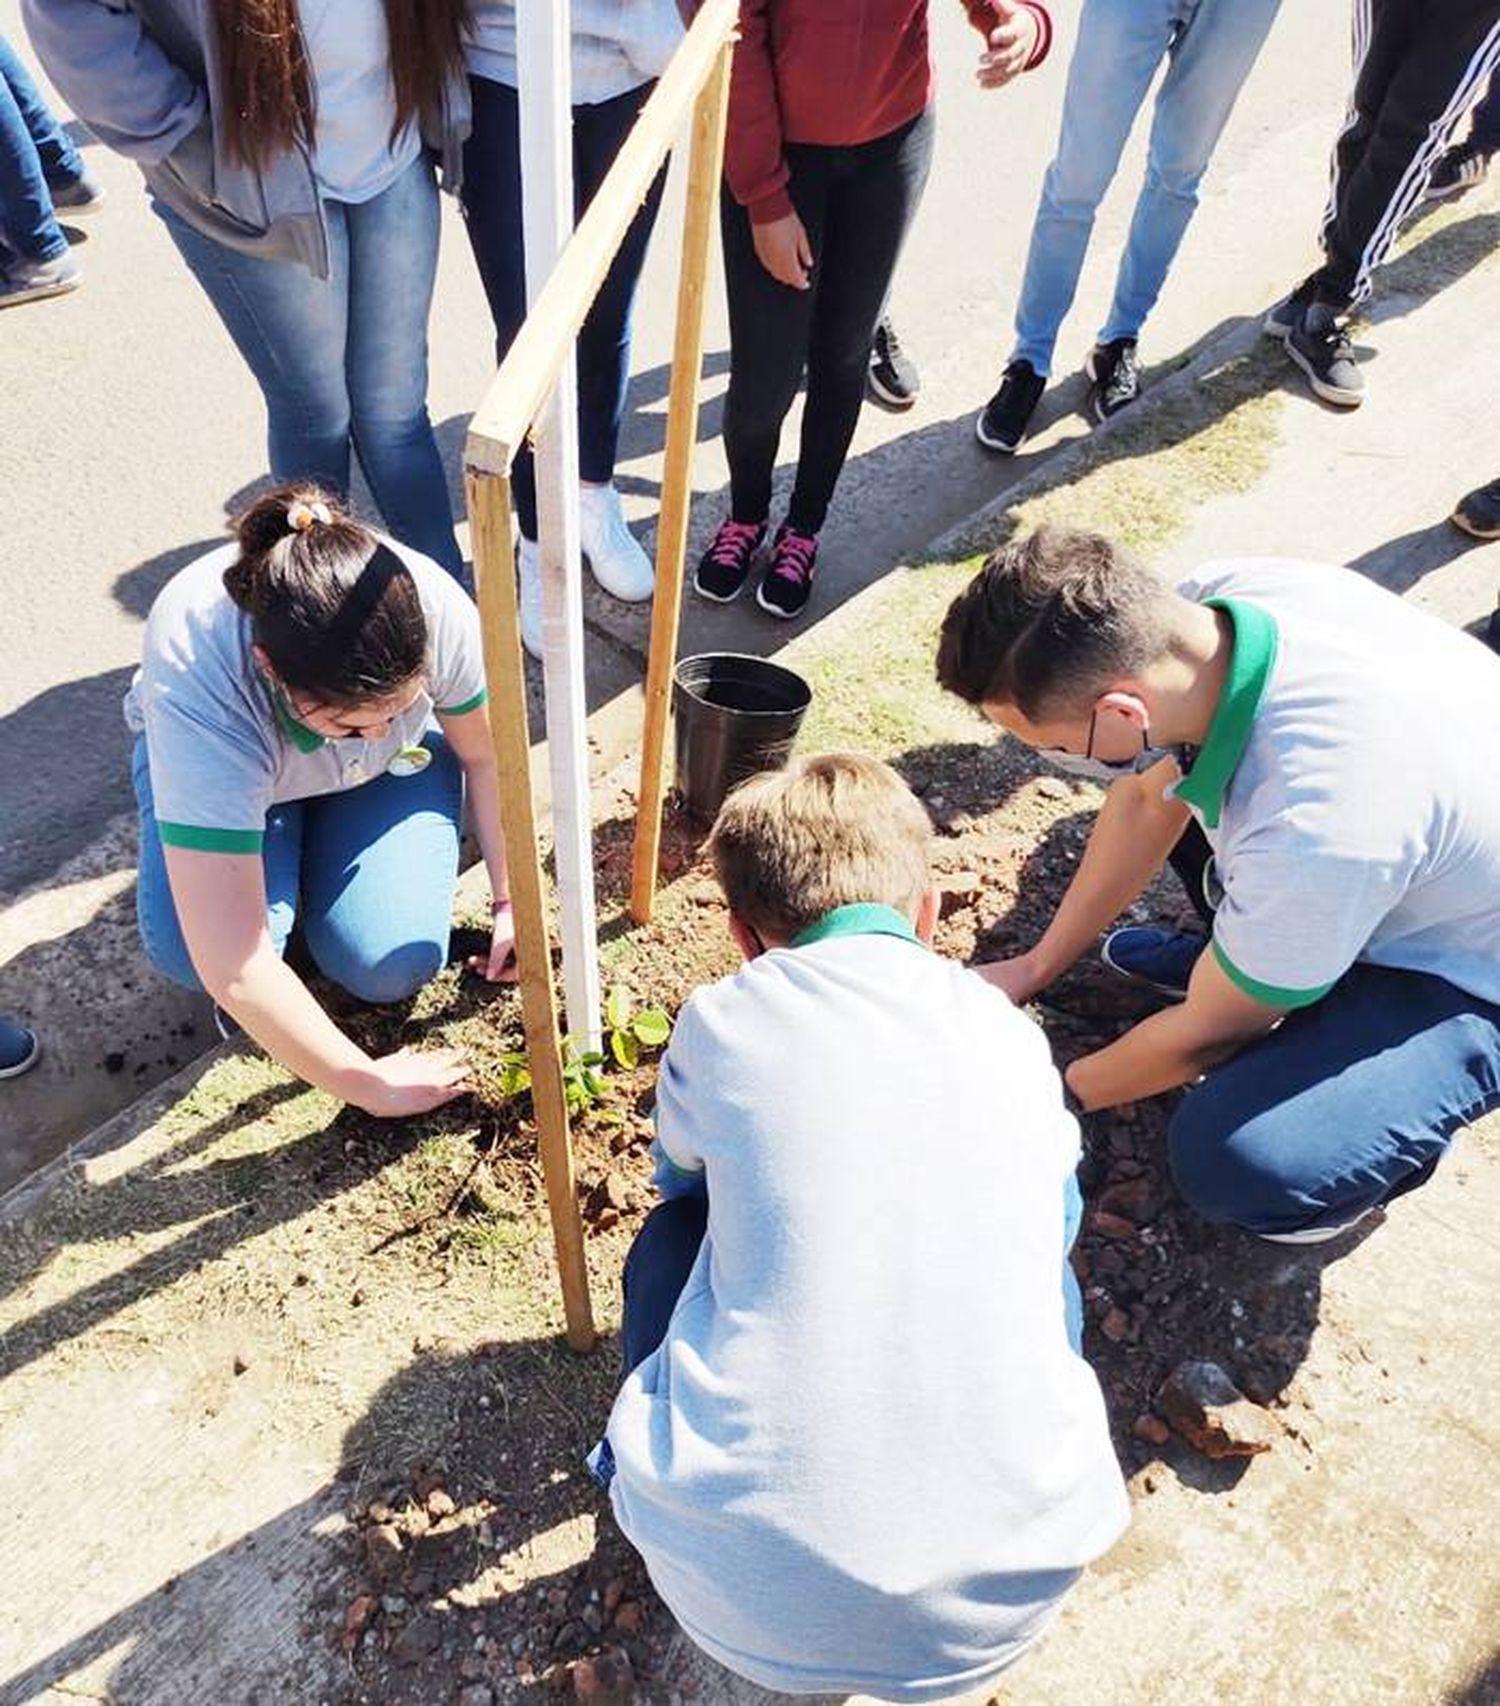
<point x="1050" y="621"/>
<point x="791" y="845"/>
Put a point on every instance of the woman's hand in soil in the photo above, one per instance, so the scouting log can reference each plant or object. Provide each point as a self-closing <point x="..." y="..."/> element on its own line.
<point x="1012" y="43"/>
<point x="499" y="964"/>
<point x="1017" y="977"/>
<point x="782" y="248"/>
<point x="412" y="1081"/>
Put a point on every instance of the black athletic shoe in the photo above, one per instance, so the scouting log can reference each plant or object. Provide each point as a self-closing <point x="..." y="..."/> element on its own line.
<point x="1320" y="346"/>
<point x="1279" y="322"/>
<point x="724" y="567"/>
<point x="1116" y="378"/>
<point x="1001" y="424"/>
<point x="893" y="378"/>
<point x="1463" y="167"/>
<point x="787" y="584"/>
<point x="1478" y="512"/>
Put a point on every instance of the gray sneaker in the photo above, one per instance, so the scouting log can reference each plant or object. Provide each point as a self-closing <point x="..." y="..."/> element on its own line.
<point x="1320" y="346"/>
<point x="1285" y="315"/>
<point x="29" y="281"/>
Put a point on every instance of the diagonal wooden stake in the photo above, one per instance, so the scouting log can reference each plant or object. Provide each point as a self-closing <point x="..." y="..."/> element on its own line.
<point x="489" y="520"/>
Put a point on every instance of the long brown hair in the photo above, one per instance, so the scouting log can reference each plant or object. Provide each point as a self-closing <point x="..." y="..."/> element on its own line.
<point x="269" y="82"/>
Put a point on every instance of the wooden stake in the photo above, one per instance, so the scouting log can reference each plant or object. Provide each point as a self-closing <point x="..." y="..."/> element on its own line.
<point x="489" y="521"/>
<point x="704" y="170"/>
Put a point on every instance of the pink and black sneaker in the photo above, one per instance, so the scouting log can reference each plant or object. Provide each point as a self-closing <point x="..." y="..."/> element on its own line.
<point x="724" y="567"/>
<point x="787" y="585"/>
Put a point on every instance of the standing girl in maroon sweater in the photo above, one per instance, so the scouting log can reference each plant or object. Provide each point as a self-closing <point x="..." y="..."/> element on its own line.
<point x="830" y="137"/>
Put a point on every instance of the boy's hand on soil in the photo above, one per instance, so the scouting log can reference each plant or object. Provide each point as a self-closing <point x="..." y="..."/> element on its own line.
<point x="782" y="248"/>
<point x="1012" y="43"/>
<point x="413" y="1081"/>
<point x="499" y="964"/>
<point x="1016" y="977"/>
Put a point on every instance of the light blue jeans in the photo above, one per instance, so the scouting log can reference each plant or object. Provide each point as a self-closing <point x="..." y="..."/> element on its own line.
<point x="1209" y="46"/>
<point x="371" y="870"/>
<point x="342" y="361"/>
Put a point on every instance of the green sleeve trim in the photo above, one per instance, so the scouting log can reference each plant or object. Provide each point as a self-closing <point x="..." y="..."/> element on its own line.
<point x="210" y="840"/>
<point x="468" y="705"/>
<point x="1267" y="993"/>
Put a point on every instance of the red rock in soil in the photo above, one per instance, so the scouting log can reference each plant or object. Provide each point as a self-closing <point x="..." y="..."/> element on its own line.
<point x="1151" y="1430"/>
<point x="383" y="1549"/>
<point x="1115" y="1326"/>
<point x="607" y="1676"/>
<point x="611" y="1192"/>
<point x="1108" y="1225"/>
<point x="1212" y="1414"/>
<point x="356" y="1617"/>
<point x="614" y="1592"/>
<point x="1132" y="1199"/>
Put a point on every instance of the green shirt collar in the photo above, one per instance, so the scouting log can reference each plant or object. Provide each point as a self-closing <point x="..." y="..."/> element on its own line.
<point x="296" y="731"/>
<point x="1250" y="663"/>
<point x="864" y="918"/>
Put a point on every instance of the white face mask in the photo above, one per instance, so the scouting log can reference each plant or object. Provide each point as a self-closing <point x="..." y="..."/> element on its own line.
<point x="1087" y="764"/>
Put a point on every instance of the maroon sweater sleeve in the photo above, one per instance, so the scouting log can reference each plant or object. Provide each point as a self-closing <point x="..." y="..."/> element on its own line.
<point x="754" y="160"/>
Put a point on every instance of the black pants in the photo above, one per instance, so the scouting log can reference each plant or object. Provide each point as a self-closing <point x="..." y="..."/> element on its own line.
<point x="1484" y="127"/>
<point x="1418" y="67"/>
<point x="657" y="1268"/>
<point x="492" y="213"/>
<point x="856" y="205"/>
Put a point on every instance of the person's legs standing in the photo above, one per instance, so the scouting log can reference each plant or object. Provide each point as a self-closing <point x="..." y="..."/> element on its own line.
<point x="393" y="246"/>
<point x="1120" y="44"/>
<point x="291" y="330"/>
<point x="656" y="1269"/>
<point x="379" y="867"/>
<point x="1484" y="122"/>
<point x="156" y="912"/>
<point x="1344" y="1104"/>
<point x="870" y="209"/>
<point x="1210" y="58"/>
<point x="28" y="221"/>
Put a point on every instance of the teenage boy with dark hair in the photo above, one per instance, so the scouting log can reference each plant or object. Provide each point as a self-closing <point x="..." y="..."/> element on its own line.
<point x="1418" y="65"/>
<point x="855" y="1445"/>
<point x="1345" y="1022"/>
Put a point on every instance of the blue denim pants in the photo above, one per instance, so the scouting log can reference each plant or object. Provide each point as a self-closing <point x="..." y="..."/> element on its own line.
<point x="342" y="361"/>
<point x="36" y="157"/>
<point x="1346" y="1104"/>
<point x="1209" y="46"/>
<point x="371" y="871"/>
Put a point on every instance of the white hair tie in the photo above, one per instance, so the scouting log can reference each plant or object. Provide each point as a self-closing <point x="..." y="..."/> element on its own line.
<point x="301" y="515"/>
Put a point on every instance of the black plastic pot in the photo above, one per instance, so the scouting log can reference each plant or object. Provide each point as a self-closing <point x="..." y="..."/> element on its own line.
<point x="734" y="716"/>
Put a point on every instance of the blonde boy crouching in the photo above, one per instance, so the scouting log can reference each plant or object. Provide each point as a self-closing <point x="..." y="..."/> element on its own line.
<point x="856" y="1446"/>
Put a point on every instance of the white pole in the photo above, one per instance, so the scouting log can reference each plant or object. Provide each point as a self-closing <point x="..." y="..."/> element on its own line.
<point x="544" y="73"/>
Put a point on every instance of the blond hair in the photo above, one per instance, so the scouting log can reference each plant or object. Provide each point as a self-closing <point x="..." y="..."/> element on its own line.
<point x="791" y="845"/>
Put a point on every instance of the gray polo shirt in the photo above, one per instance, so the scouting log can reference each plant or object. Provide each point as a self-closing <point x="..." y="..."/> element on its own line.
<point x="224" y="748"/>
<point x="1348" y="785"/>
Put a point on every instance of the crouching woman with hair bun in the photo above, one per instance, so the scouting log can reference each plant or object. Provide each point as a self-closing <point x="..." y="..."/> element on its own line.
<point x="309" y="712"/>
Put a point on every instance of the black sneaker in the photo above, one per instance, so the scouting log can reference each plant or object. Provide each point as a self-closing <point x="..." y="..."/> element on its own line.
<point x="1279" y="322"/>
<point x="1478" y="512"/>
<point x="787" y="584"/>
<point x="724" y="567"/>
<point x="19" y="1049"/>
<point x="1001" y="424"/>
<point x="1116" y="378"/>
<point x="1463" y="167"/>
<point x="1320" y="346"/>
<point x="893" y="378"/>
<point x="1492" y="633"/>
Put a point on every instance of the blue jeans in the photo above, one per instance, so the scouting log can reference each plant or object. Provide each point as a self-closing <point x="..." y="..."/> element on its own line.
<point x="1210" y="46"/>
<point x="371" y="870"/>
<point x="666" y="1247"/>
<point x="492" y="214"/>
<point x="342" y="361"/>
<point x="36" y="157"/>
<point x="1346" y="1104"/>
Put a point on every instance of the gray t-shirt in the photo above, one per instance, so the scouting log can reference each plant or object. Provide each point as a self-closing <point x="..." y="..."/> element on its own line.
<point x="1347" y="784"/>
<point x="223" y="748"/>
<point x="349" y="51"/>
<point x="866" y="1457"/>
<point x="617" y="45"/>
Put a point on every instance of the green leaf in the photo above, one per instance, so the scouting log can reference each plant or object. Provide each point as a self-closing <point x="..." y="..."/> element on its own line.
<point x="593" y="1083"/>
<point x="625" y="1049"/>
<point x="592" y="1058"/>
<point x="617" y="1007"/>
<point x="651" y="1028"/>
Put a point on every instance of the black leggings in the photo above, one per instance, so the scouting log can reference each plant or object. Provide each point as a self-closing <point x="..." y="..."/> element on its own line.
<point x="856" y="205"/>
<point x="1418" y="65"/>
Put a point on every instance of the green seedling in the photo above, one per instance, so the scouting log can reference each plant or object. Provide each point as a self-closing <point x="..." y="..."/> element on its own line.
<point x="627" y="1031"/>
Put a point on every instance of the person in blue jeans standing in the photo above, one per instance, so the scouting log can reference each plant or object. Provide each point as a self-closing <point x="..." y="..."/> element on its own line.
<point x="289" y="152"/>
<point x="41" y="175"/>
<point x="309" y="716"/>
<point x="1209" y="47"/>
<point x="1341" y="1021"/>
<point x="617" y="53"/>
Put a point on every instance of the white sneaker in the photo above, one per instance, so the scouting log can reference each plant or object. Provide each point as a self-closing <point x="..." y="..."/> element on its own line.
<point x="619" y="564"/>
<point x="529" y="571"/>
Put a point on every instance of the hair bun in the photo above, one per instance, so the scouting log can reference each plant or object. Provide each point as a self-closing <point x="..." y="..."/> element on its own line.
<point x="273" y="517"/>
